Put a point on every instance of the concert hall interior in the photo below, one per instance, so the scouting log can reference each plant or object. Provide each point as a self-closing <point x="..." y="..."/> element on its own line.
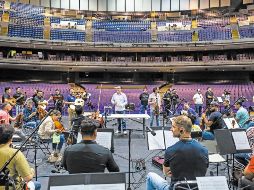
<point x="127" y="94"/>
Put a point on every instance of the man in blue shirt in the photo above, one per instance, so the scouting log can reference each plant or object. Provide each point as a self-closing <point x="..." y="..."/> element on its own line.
<point x="30" y="115"/>
<point x="70" y="101"/>
<point x="242" y="115"/>
<point x="186" y="159"/>
<point x="191" y="113"/>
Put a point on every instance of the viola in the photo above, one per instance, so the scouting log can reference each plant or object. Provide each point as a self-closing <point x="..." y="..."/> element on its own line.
<point x="59" y="126"/>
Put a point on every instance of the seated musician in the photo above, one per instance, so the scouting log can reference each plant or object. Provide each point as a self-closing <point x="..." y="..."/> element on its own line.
<point x="188" y="111"/>
<point x="87" y="156"/>
<point x="187" y="159"/>
<point x="19" y="165"/>
<point x="76" y="122"/>
<point x="242" y="115"/>
<point x="47" y="132"/>
<point x="248" y="175"/>
<point x="31" y="119"/>
<point x="227" y="111"/>
<point x="6" y="119"/>
<point x="213" y="122"/>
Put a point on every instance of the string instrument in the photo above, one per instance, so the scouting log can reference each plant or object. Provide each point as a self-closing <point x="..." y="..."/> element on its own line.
<point x="59" y="126"/>
<point x="13" y="101"/>
<point x="96" y="115"/>
<point x="19" y="121"/>
<point x="41" y="112"/>
<point x="202" y="121"/>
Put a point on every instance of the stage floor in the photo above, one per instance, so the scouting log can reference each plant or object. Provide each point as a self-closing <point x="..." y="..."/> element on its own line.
<point x="139" y="150"/>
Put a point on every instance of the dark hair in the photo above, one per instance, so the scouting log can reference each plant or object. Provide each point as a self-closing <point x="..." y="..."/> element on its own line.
<point x="55" y="112"/>
<point x="154" y="89"/>
<point x="6" y="88"/>
<point x="78" y="109"/>
<point x="4" y="105"/>
<point x="17" y="88"/>
<point x="88" y="126"/>
<point x="6" y="133"/>
<point x="239" y="103"/>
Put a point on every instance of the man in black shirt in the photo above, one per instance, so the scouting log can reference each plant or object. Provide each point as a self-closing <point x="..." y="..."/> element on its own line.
<point x="167" y="101"/>
<point x="185" y="160"/>
<point x="58" y="100"/>
<point x="213" y="122"/>
<point x="227" y="111"/>
<point x="209" y="96"/>
<point x="6" y="96"/>
<point x="174" y="99"/>
<point x="144" y="101"/>
<point x="87" y="156"/>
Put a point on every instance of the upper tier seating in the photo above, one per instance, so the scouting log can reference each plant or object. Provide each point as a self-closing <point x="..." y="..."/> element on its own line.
<point x="122" y="36"/>
<point x="246" y="32"/>
<point x="121" y="25"/>
<point x="215" y="33"/>
<point x="176" y="36"/>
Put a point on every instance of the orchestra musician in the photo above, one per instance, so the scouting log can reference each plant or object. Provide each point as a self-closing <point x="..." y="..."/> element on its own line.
<point x="6" y="96"/>
<point x="49" y="133"/>
<point x="70" y="101"/>
<point x="154" y="101"/>
<point x="20" y="99"/>
<point x="174" y="99"/>
<point x="209" y="96"/>
<point x="39" y="100"/>
<point x="18" y="167"/>
<point x="143" y="97"/>
<point x="30" y="114"/>
<point x="58" y="99"/>
<point x="167" y="101"/>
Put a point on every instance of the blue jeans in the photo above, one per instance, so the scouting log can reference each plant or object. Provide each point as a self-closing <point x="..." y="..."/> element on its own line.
<point x="19" y="109"/>
<point x="60" y="144"/>
<point x="206" y="135"/>
<point x="143" y="108"/>
<point x="198" y="109"/>
<point x="152" y="115"/>
<point x="155" y="182"/>
<point x="121" y="122"/>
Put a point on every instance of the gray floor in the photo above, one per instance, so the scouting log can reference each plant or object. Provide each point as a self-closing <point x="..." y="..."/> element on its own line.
<point x="139" y="150"/>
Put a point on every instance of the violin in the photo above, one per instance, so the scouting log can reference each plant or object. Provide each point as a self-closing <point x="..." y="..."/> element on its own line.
<point x="42" y="113"/>
<point x="59" y="126"/>
<point x="19" y="121"/>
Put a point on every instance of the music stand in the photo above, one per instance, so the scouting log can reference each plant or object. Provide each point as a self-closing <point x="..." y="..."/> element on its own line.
<point x="88" y="181"/>
<point x="105" y="137"/>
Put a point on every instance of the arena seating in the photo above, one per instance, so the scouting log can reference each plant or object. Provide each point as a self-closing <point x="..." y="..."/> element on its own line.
<point x="122" y="36"/>
<point x="246" y="32"/>
<point x="175" y="36"/>
<point x="215" y="33"/>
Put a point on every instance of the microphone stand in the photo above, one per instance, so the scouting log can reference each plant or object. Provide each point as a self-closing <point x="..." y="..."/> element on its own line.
<point x="4" y="171"/>
<point x="129" y="160"/>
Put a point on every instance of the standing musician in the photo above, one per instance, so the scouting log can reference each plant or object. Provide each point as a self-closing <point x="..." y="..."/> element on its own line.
<point x="209" y="96"/>
<point x="155" y="106"/>
<point x="48" y="132"/>
<point x="20" y="99"/>
<point x="6" y="96"/>
<point x="70" y="101"/>
<point x="167" y="101"/>
<point x="198" y="101"/>
<point x="39" y="100"/>
<point x="144" y="101"/>
<point x="86" y="97"/>
<point x="58" y="99"/>
<point x="119" y="100"/>
<point x="174" y="99"/>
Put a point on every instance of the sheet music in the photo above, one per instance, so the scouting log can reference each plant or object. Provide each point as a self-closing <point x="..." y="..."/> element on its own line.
<point x="104" y="139"/>
<point x="219" y="99"/>
<point x="68" y="187"/>
<point x="169" y="139"/>
<point x="120" y="186"/>
<point x="156" y="142"/>
<point x="241" y="140"/>
<point x="228" y="122"/>
<point x="215" y="158"/>
<point x="212" y="183"/>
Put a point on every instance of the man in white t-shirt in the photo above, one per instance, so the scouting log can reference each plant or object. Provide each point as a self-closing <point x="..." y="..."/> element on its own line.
<point x="198" y="101"/>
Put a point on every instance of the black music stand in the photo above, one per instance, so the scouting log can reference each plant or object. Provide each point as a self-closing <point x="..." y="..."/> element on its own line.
<point x="59" y="182"/>
<point x="232" y="141"/>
